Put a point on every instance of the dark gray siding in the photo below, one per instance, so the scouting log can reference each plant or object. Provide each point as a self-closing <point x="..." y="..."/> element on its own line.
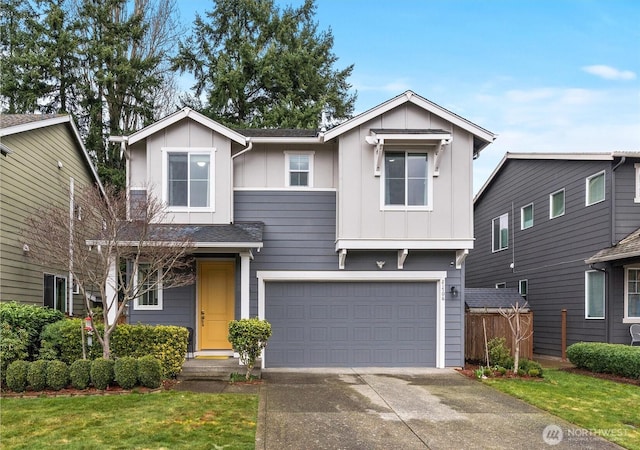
<point x="551" y="254"/>
<point x="178" y="309"/>
<point x="627" y="212"/>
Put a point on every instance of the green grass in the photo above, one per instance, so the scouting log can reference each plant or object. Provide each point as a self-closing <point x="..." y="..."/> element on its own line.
<point x="610" y="409"/>
<point x="166" y="420"/>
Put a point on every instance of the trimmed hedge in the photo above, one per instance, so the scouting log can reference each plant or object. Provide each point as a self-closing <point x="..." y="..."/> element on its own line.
<point x="57" y="375"/>
<point x="102" y="373"/>
<point x="13" y="346"/>
<point x="80" y="374"/>
<point x="125" y="372"/>
<point x="149" y="372"/>
<point x="37" y="374"/>
<point x="30" y="318"/>
<point x="17" y="375"/>
<point x="617" y="359"/>
<point x="62" y="340"/>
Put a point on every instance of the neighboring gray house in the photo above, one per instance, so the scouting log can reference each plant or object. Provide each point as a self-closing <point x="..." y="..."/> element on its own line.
<point x="351" y="242"/>
<point x="563" y="229"/>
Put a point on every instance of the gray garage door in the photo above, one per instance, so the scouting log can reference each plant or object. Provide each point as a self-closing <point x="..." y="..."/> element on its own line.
<point x="351" y="324"/>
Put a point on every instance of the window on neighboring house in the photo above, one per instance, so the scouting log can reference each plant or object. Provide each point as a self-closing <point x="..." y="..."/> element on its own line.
<point x="523" y="288"/>
<point x="299" y="169"/>
<point x="594" y="294"/>
<point x="556" y="204"/>
<point x="149" y="287"/>
<point x="595" y="188"/>
<point x="637" y="196"/>
<point x="501" y="285"/>
<point x="55" y="292"/>
<point x="526" y="216"/>
<point x="500" y="231"/>
<point x="406" y="179"/>
<point x="189" y="178"/>
<point x="632" y="295"/>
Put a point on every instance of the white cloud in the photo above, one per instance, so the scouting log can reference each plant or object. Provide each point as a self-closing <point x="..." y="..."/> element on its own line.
<point x="609" y="73"/>
<point x="525" y="96"/>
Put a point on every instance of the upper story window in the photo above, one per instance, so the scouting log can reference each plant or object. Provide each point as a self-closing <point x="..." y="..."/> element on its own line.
<point x="526" y="216"/>
<point x="636" y="199"/>
<point x="299" y="169"/>
<point x="500" y="231"/>
<point x="595" y="188"/>
<point x="632" y="295"/>
<point x="406" y="180"/>
<point x="556" y="204"/>
<point x="188" y="178"/>
<point x="594" y="294"/>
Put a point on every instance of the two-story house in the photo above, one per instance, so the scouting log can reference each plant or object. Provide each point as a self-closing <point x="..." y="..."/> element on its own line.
<point x="563" y="229"/>
<point x="351" y="241"/>
<point x="43" y="161"/>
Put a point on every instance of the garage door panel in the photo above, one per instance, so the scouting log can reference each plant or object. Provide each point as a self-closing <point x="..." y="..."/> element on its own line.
<point x="358" y="324"/>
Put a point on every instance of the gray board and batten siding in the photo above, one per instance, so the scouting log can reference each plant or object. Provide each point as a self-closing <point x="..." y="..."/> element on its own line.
<point x="551" y="254"/>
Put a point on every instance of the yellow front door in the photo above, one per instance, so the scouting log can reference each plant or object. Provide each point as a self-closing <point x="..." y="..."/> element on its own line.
<point x="216" y="300"/>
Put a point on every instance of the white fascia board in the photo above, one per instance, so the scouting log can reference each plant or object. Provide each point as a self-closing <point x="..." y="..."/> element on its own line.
<point x="241" y="245"/>
<point x="182" y="114"/>
<point x="287" y="140"/>
<point x="413" y="137"/>
<point x="387" y="244"/>
<point x="34" y="125"/>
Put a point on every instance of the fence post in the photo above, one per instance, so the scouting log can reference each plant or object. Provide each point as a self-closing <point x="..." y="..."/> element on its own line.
<point x="564" y="334"/>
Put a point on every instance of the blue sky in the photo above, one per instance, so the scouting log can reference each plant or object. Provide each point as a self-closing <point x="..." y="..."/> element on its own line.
<point x="544" y="75"/>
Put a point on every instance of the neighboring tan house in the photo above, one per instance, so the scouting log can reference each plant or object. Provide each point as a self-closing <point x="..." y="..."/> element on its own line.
<point x="351" y="241"/>
<point x="563" y="229"/>
<point x="42" y="158"/>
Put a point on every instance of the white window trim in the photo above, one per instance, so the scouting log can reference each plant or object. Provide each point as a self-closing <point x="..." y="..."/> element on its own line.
<point x="564" y="196"/>
<point x="625" y="317"/>
<point x="287" y="167"/>
<point x="138" y="307"/>
<point x="526" y="282"/>
<point x="636" y="199"/>
<point x="211" y="151"/>
<point x="586" y="297"/>
<point x="493" y="235"/>
<point x="522" y="227"/>
<point x="586" y="200"/>
<point x="430" y="168"/>
<point x="501" y="285"/>
<point x="55" y="292"/>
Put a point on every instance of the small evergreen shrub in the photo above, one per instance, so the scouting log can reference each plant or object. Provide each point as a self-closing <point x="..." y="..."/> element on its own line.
<point x="617" y="359"/>
<point x="57" y="375"/>
<point x="149" y="372"/>
<point x="101" y="373"/>
<point x="31" y="318"/>
<point x="63" y="340"/>
<point x="37" y="375"/>
<point x="13" y="346"/>
<point x="528" y="365"/>
<point x="125" y="371"/>
<point x="249" y="337"/>
<point x="534" y="373"/>
<point x="80" y="373"/>
<point x="499" y="354"/>
<point x="16" y="376"/>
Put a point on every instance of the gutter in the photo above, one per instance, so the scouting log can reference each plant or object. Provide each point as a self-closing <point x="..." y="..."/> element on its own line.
<point x="233" y="157"/>
<point x="613" y="200"/>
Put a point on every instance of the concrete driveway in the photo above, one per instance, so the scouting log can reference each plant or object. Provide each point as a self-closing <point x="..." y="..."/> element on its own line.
<point x="388" y="409"/>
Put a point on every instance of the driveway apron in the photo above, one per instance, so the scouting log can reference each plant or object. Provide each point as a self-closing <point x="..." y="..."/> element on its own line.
<point x="436" y="409"/>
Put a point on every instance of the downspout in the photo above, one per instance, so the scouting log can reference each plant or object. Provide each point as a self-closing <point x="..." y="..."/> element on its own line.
<point x="609" y="275"/>
<point x="233" y="157"/>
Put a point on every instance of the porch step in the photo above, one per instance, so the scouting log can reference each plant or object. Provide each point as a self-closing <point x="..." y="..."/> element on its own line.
<point x="214" y="369"/>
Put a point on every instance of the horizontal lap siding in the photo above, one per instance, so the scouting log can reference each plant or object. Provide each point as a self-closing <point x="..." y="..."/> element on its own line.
<point x="178" y="309"/>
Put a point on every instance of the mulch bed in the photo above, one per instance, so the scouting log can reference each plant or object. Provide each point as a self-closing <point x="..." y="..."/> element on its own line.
<point x="71" y="392"/>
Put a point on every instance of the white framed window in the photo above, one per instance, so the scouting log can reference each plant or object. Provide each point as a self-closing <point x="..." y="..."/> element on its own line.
<point x="594" y="288"/>
<point x="523" y="288"/>
<point x="594" y="189"/>
<point x="556" y="204"/>
<point x="526" y="216"/>
<point x="501" y="285"/>
<point x="636" y="199"/>
<point x="298" y="169"/>
<point x="500" y="233"/>
<point x="407" y="181"/>
<point x="632" y="294"/>
<point x="55" y="292"/>
<point x="188" y="178"/>
<point x="150" y="287"/>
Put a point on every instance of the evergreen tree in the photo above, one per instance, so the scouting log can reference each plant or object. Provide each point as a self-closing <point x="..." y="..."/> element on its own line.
<point x="259" y="66"/>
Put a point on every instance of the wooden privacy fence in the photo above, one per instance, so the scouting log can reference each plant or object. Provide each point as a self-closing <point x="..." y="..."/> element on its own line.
<point x="497" y="326"/>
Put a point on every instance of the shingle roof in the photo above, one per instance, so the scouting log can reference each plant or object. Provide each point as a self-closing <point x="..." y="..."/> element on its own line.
<point x="629" y="247"/>
<point x="11" y="120"/>
<point x="492" y="298"/>
<point x="239" y="232"/>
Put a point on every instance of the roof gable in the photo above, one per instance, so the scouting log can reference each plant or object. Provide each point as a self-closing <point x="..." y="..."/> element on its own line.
<point x="183" y="114"/>
<point x="482" y="137"/>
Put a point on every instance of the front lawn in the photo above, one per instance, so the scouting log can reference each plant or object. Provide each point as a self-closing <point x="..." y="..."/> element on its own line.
<point x="170" y="419"/>
<point x="607" y="408"/>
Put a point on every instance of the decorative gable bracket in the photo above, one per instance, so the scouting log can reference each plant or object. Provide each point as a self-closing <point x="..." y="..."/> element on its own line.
<point x="377" y="153"/>
<point x="440" y="148"/>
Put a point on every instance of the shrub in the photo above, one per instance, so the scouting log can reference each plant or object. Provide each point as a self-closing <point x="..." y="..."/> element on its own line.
<point x="534" y="373"/>
<point x="527" y="365"/>
<point x="63" y="340"/>
<point x="13" y="346"/>
<point x="617" y="359"/>
<point x="101" y="373"/>
<point x="249" y="337"/>
<point x="125" y="372"/>
<point x="502" y="371"/>
<point x="37" y="375"/>
<point x="57" y="375"/>
<point x="30" y="318"/>
<point x="80" y="373"/>
<point x="499" y="354"/>
<point x="16" y="376"/>
<point x="149" y="372"/>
